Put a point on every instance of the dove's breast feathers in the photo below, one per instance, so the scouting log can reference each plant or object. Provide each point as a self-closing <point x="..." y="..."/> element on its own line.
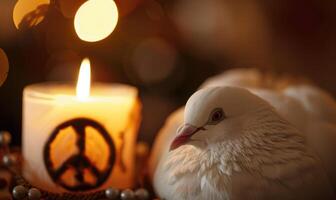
<point x="267" y="165"/>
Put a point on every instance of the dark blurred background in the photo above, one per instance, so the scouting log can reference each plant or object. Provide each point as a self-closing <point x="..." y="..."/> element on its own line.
<point x="168" y="48"/>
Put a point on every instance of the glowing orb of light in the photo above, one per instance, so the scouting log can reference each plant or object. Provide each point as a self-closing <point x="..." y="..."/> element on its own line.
<point x="4" y="66"/>
<point x="96" y="20"/>
<point x="28" y="13"/>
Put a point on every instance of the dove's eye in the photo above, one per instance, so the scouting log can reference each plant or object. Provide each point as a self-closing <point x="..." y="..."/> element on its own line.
<point x="216" y="116"/>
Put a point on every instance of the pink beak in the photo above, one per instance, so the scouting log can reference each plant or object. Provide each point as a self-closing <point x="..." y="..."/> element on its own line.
<point x="183" y="136"/>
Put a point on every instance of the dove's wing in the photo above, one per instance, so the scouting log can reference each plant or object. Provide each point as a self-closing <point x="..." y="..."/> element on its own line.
<point x="320" y="129"/>
<point x="306" y="177"/>
<point x="289" y="108"/>
<point x="321" y="136"/>
<point x="163" y="140"/>
<point x="285" y="172"/>
<point x="294" y="180"/>
<point x="319" y="104"/>
<point x="241" y="77"/>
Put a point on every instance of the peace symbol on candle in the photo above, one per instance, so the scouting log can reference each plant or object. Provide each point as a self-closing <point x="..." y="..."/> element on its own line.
<point x="78" y="172"/>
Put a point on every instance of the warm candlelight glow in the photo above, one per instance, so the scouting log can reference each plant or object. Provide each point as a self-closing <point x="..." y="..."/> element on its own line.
<point x="84" y="80"/>
<point x="96" y="19"/>
<point x="28" y="13"/>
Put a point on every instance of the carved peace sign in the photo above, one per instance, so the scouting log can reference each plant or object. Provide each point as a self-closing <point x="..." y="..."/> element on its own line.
<point x="79" y="163"/>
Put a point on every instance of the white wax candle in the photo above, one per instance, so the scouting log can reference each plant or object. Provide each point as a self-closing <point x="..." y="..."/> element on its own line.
<point x="63" y="136"/>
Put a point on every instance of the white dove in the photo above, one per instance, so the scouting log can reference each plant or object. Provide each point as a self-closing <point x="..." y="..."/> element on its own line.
<point x="242" y="77"/>
<point x="307" y="107"/>
<point x="310" y="109"/>
<point x="234" y="145"/>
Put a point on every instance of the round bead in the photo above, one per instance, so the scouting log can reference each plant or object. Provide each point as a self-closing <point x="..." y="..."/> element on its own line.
<point x="111" y="193"/>
<point x="5" y="137"/>
<point x="19" y="192"/>
<point x="34" y="194"/>
<point x="127" y="194"/>
<point x="142" y="194"/>
<point x="8" y="160"/>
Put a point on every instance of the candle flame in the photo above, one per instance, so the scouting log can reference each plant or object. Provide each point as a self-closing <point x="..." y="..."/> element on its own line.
<point x="84" y="80"/>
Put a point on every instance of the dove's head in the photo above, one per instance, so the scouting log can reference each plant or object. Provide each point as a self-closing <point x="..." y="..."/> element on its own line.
<point x="218" y="114"/>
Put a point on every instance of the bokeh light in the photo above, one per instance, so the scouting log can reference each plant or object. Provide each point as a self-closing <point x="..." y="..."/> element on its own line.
<point x="8" y="30"/>
<point x="199" y="21"/>
<point x="154" y="10"/>
<point x="154" y="60"/>
<point x="4" y="66"/>
<point x="96" y="20"/>
<point x="218" y="30"/>
<point x="28" y="13"/>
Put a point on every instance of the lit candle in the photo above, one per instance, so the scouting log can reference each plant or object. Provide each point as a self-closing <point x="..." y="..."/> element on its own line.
<point x="80" y="142"/>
